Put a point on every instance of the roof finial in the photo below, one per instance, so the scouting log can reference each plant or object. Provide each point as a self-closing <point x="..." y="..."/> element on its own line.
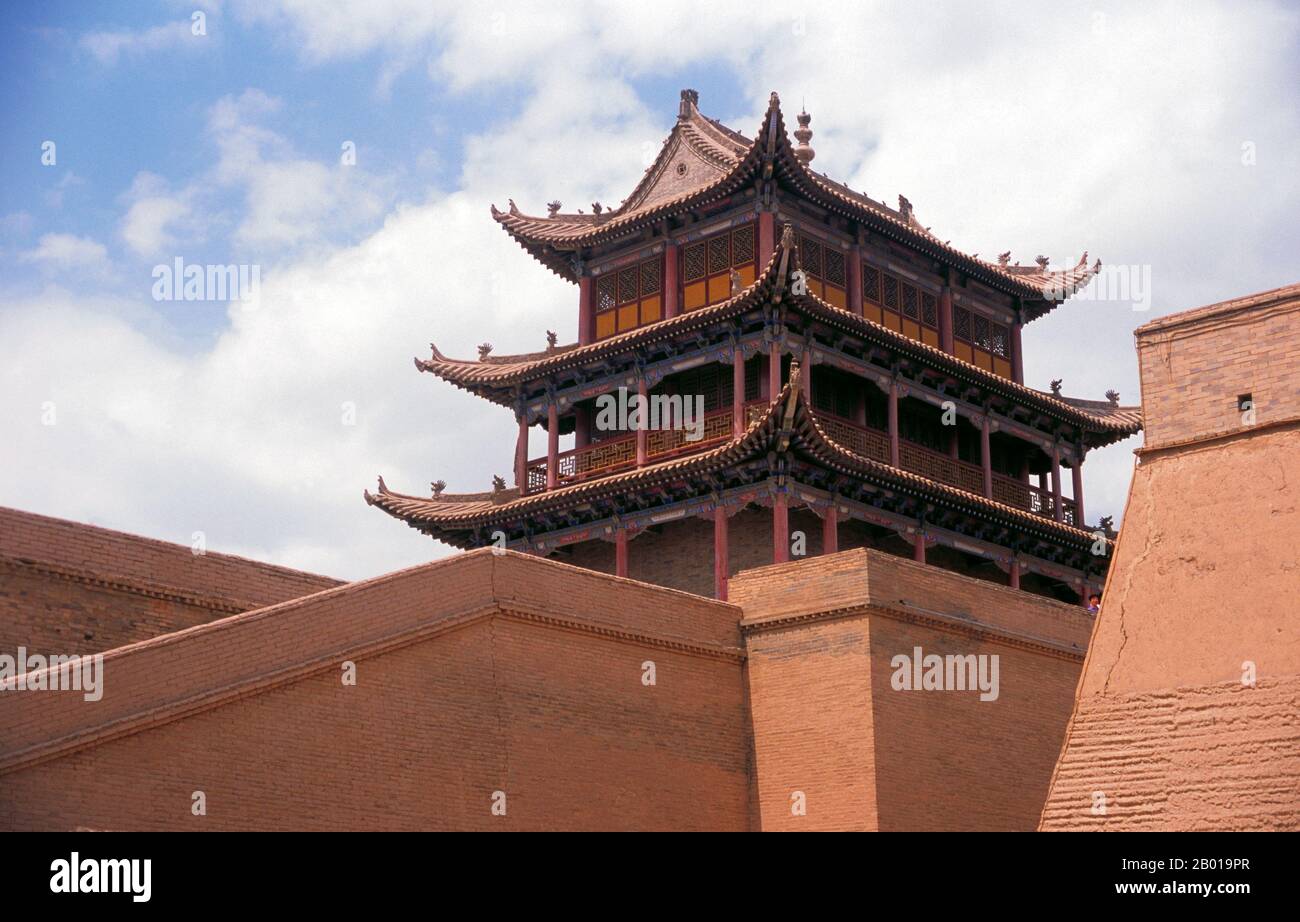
<point x="690" y="100"/>
<point x="905" y="208"/>
<point x="1042" y="262"/>
<point x="1004" y="258"/>
<point x="803" y="134"/>
<point x="1056" y="387"/>
<point x="484" y="350"/>
<point x="553" y="207"/>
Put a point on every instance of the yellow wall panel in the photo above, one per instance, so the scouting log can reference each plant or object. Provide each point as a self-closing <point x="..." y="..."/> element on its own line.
<point x="626" y="317"/>
<point x="1002" y="367"/>
<point x="650" y="309"/>
<point x="930" y="337"/>
<point x="911" y="329"/>
<point x="837" y="297"/>
<point x="747" y="275"/>
<point x="719" y="288"/>
<point x="694" y="296"/>
<point x="605" y="324"/>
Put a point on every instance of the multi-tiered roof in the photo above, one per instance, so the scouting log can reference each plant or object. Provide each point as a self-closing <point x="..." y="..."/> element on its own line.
<point x="782" y="441"/>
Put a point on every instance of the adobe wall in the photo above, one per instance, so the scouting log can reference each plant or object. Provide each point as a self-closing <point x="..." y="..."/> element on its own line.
<point x="1194" y="365"/>
<point x="821" y="635"/>
<point x="1186" y="712"/>
<point x="68" y="588"/>
<point x="475" y="674"/>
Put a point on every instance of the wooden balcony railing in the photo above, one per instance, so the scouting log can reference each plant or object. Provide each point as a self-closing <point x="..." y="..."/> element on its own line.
<point x="612" y="456"/>
<point x="917" y="459"/>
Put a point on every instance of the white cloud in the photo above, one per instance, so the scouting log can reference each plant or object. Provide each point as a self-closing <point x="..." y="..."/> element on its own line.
<point x="1008" y="126"/>
<point x="68" y="253"/>
<point x="110" y="47"/>
<point x="146" y="227"/>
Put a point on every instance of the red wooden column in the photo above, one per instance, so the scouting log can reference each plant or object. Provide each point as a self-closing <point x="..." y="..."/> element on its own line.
<point x="893" y="422"/>
<point x="954" y="442"/>
<point x="918" y="548"/>
<point x="581" y="427"/>
<point x="1017" y="356"/>
<point x="805" y="377"/>
<point x="620" y="552"/>
<point x="670" y="280"/>
<point x="1013" y="578"/>
<point x="774" y="371"/>
<point x="945" y="320"/>
<point x="738" y="392"/>
<point x="780" y="529"/>
<point x="766" y="238"/>
<point x="1058" y="511"/>
<point x="721" y="563"/>
<point x="1079" y="520"/>
<point x="552" y="446"/>
<point x="831" y="530"/>
<point x="521" y="456"/>
<point x="642" y="431"/>
<point x="855" y="280"/>
<point x="986" y="457"/>
<point x="586" y="311"/>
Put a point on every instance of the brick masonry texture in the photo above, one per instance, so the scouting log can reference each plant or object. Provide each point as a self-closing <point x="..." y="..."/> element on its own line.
<point x="70" y="588"/>
<point x="821" y="635"/>
<point x="1206" y="578"/>
<point x="1195" y="365"/>
<point x="476" y="674"/>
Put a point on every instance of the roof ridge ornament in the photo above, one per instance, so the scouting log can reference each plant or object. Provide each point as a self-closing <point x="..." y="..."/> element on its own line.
<point x="803" y="134"/>
<point x="1004" y="258"/>
<point x="1056" y="387"/>
<point x="553" y="208"/>
<point x="690" y="100"/>
<point x="905" y="208"/>
<point x="1113" y="397"/>
<point x="1042" y="262"/>
<point x="484" y="350"/>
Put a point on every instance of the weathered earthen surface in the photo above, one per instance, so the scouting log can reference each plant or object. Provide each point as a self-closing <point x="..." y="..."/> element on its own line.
<point x="1203" y="598"/>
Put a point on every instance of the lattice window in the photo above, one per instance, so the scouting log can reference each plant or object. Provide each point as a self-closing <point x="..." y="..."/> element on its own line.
<point x="629" y="297"/>
<point x="811" y="253"/>
<point x="707" y="266"/>
<point x="961" y="323"/>
<point x="627" y="285"/>
<point x="742" y="245"/>
<point x="835" y="268"/>
<point x="981" y="332"/>
<point x="891" y="293"/>
<point x="911" y="309"/>
<point x="694" y="264"/>
<point x="605" y="292"/>
<point x="929" y="310"/>
<point x="719" y="257"/>
<point x="870" y="284"/>
<point x="650" y="277"/>
<point x="1000" y="340"/>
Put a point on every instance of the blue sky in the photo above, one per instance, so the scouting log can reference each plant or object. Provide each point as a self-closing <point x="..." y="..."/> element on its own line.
<point x="1114" y="127"/>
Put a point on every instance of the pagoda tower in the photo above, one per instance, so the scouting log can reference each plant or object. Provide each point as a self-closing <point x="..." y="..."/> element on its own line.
<point x="859" y="383"/>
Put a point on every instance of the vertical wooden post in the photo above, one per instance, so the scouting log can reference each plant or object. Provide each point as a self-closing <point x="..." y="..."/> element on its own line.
<point x="521" y="455"/>
<point x="1058" y="511"/>
<point x="552" y="446"/>
<point x="945" y="320"/>
<point x="774" y="371"/>
<point x="766" y="238"/>
<point x="620" y="552"/>
<point x="586" y="310"/>
<point x="893" y="422"/>
<point x="670" y="280"/>
<point x="642" y="431"/>
<point x="738" y="426"/>
<point x="1079" y="520"/>
<point x="986" y="457"/>
<point x="918" y="548"/>
<point x="581" y="427"/>
<point x="721" y="562"/>
<point x="831" y="530"/>
<point x="780" y="528"/>
<point x="1013" y="578"/>
<point x="805" y="377"/>
<point x="1017" y="355"/>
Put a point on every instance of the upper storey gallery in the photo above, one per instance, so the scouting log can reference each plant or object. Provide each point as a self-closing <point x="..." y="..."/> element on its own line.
<point x="705" y="218"/>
